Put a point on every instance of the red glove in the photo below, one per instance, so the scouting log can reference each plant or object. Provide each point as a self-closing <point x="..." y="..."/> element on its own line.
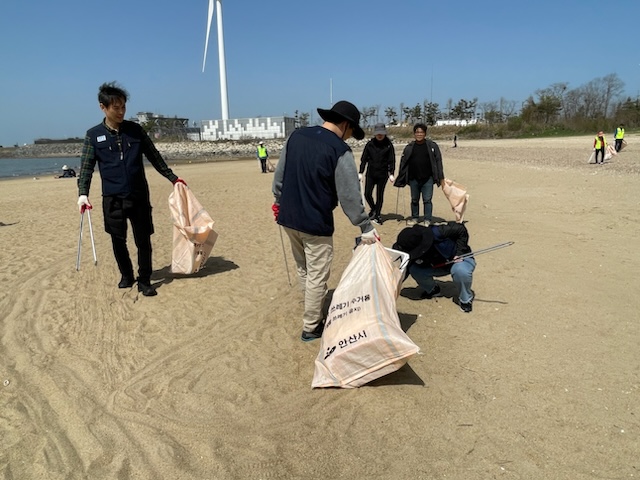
<point x="179" y="180"/>
<point x="276" y="210"/>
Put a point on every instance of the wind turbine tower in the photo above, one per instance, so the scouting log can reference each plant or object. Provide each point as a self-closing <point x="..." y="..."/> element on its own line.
<point x="224" y="97"/>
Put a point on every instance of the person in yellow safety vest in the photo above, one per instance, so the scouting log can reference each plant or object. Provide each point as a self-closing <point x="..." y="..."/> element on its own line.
<point x="599" y="145"/>
<point x="619" y="137"/>
<point x="262" y="155"/>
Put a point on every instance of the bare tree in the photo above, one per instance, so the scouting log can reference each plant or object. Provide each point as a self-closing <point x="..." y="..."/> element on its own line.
<point x="490" y="112"/>
<point x="368" y="113"/>
<point x="613" y="88"/>
<point x="507" y="107"/>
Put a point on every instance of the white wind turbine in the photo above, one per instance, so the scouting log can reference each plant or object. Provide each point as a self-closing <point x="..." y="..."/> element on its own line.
<point x="224" y="98"/>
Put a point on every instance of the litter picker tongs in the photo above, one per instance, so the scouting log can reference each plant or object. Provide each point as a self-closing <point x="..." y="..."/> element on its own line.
<point x="93" y="244"/>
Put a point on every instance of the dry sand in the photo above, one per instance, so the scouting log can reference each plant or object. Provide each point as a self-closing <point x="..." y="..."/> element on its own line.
<point x="209" y="380"/>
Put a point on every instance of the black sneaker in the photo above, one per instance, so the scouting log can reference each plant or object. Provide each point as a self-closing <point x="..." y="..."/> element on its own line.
<point x="147" y="289"/>
<point x="309" y="336"/>
<point x="436" y="292"/>
<point x="126" y="282"/>
<point x="466" y="307"/>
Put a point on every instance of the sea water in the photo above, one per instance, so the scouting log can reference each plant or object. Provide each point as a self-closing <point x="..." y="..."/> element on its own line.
<point x="33" y="167"/>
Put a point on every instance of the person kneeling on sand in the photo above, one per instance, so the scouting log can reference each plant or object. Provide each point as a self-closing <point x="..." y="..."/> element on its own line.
<point x="436" y="251"/>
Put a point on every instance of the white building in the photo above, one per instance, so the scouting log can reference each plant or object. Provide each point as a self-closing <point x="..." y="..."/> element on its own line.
<point x="457" y="123"/>
<point x="247" y="128"/>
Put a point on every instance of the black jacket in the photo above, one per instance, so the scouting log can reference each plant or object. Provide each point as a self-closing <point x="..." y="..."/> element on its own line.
<point x="435" y="157"/>
<point x="378" y="158"/>
<point x="447" y="241"/>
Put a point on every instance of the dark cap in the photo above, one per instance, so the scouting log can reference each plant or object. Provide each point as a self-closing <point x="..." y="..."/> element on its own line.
<point x="415" y="241"/>
<point x="342" y="111"/>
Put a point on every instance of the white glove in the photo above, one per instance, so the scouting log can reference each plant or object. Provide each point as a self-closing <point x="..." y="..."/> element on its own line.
<point x="83" y="203"/>
<point x="370" y="237"/>
<point x="392" y="178"/>
<point x="360" y="177"/>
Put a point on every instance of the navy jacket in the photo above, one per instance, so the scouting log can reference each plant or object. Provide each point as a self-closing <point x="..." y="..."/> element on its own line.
<point x="119" y="158"/>
<point x="309" y="194"/>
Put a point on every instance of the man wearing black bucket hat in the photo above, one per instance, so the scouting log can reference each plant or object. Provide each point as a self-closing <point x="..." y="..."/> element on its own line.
<point x="435" y="251"/>
<point x="316" y="171"/>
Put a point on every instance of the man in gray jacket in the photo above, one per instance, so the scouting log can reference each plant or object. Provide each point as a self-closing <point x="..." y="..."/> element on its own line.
<point x="317" y="170"/>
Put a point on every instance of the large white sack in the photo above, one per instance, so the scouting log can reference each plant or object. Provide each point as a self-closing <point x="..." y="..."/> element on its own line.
<point x="609" y="152"/>
<point x="193" y="234"/>
<point x="457" y="196"/>
<point x="363" y="339"/>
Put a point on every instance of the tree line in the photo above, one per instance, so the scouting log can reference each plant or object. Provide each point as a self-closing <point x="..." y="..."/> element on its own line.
<point x="596" y="105"/>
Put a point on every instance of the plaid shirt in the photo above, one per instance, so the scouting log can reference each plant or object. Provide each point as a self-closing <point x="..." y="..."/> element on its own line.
<point x="88" y="159"/>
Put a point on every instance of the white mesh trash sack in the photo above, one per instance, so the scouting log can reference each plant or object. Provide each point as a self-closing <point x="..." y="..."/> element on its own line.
<point x="457" y="196"/>
<point x="362" y="338"/>
<point x="193" y="234"/>
<point x="609" y="153"/>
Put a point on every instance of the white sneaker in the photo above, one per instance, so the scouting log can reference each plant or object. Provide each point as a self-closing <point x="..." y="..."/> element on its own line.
<point x="411" y="222"/>
<point x="426" y="223"/>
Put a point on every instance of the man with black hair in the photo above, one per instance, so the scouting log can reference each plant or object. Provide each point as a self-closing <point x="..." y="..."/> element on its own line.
<point x="116" y="145"/>
<point x="316" y="171"/>
<point x="420" y="168"/>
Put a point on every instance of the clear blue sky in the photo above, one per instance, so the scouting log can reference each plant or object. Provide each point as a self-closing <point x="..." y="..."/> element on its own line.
<point x="282" y="54"/>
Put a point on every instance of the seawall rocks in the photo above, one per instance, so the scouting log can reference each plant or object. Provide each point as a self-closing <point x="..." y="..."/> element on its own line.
<point x="170" y="151"/>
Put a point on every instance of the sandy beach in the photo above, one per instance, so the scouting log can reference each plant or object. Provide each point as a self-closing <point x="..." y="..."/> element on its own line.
<point x="209" y="380"/>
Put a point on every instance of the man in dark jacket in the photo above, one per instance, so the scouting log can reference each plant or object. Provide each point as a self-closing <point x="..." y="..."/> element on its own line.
<point x="116" y="146"/>
<point x="420" y="168"/>
<point x="436" y="251"/>
<point x="379" y="160"/>
<point x="317" y="170"/>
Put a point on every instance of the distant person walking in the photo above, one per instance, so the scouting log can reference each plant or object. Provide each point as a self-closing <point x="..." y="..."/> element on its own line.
<point x="599" y="146"/>
<point x="619" y="137"/>
<point x="379" y="160"/>
<point x="420" y="168"/>
<point x="116" y="145"/>
<point x="455" y="141"/>
<point x="263" y="155"/>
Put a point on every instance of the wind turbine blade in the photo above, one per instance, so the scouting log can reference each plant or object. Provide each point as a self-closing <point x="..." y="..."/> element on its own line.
<point x="206" y="42"/>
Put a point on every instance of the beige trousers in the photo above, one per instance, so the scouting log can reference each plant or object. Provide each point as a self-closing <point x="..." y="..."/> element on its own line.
<point x="313" y="256"/>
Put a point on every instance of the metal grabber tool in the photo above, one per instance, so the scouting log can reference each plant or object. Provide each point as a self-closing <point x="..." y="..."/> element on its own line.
<point x="93" y="244"/>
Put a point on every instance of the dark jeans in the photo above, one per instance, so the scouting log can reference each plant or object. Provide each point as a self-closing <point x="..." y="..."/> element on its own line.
<point x="263" y="164"/>
<point x="424" y="188"/>
<point x="618" y="144"/>
<point x="117" y="211"/>
<point x="379" y="183"/>
<point x="601" y="152"/>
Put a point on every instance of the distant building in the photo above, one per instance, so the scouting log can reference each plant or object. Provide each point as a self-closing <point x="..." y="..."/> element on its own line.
<point x="457" y="123"/>
<point x="247" y="128"/>
<point x="159" y="126"/>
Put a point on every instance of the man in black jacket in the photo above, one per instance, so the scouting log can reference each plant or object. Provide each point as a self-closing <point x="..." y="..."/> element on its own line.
<point x="116" y="145"/>
<point x="436" y="251"/>
<point x="420" y="168"/>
